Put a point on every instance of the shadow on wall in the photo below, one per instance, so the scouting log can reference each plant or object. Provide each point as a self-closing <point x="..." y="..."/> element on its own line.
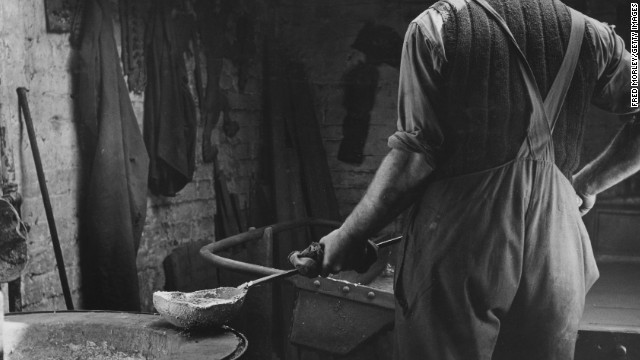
<point x="376" y="45"/>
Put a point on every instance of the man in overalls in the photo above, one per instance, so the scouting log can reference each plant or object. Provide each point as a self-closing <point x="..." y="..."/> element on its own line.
<point x="495" y="261"/>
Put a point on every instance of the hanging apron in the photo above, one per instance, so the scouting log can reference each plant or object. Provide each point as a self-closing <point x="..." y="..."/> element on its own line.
<point x="496" y="264"/>
<point x="116" y="195"/>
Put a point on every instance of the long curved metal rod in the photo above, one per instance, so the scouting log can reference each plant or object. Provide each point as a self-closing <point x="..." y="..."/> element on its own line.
<point x="208" y="251"/>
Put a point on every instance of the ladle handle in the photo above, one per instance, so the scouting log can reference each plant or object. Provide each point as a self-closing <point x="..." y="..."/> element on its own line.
<point x="265" y="279"/>
<point x="292" y="272"/>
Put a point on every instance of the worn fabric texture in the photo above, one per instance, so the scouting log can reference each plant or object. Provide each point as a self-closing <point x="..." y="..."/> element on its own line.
<point x="486" y="106"/>
<point x="115" y="207"/>
<point x="457" y="97"/>
<point x="496" y="263"/>
<point x="169" y="109"/>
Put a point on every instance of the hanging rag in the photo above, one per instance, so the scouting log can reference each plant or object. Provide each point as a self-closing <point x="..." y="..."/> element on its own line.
<point x="360" y="85"/>
<point x="116" y="200"/>
<point x="169" y="109"/>
<point x="133" y="15"/>
<point x="212" y="22"/>
<point x="381" y="45"/>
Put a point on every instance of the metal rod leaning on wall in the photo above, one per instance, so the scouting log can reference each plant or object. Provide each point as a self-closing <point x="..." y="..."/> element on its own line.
<point x="26" y="115"/>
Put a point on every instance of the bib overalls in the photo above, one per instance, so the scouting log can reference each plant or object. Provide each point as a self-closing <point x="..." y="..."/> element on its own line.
<point x="499" y="262"/>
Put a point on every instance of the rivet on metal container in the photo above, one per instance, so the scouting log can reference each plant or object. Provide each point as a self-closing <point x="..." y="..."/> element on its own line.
<point x="371" y="295"/>
<point x="316" y="283"/>
<point x="345" y="289"/>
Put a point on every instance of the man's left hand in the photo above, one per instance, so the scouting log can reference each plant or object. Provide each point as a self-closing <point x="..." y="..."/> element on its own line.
<point x="585" y="203"/>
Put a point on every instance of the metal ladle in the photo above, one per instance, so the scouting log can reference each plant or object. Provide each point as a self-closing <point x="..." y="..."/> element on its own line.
<point x="215" y="307"/>
<point x="205" y="308"/>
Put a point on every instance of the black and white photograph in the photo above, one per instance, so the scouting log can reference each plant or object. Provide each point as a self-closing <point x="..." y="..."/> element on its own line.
<point x="319" y="180"/>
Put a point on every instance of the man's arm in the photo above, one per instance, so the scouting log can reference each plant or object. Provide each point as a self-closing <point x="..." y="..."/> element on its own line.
<point x="415" y="145"/>
<point x="612" y="93"/>
<point x="398" y="180"/>
<point x="620" y="160"/>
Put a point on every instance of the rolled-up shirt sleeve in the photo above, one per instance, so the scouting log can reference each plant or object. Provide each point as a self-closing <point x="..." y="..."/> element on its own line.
<point x="613" y="89"/>
<point x="419" y="95"/>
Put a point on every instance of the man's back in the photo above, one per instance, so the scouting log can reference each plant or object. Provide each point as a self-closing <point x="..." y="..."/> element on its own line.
<point x="494" y="264"/>
<point x="496" y="261"/>
<point x="487" y="102"/>
<point x="476" y="94"/>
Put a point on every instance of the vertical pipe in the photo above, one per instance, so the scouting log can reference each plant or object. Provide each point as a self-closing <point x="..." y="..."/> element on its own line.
<point x="24" y="108"/>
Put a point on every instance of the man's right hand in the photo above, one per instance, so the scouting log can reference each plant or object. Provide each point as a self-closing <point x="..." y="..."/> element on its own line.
<point x="399" y="180"/>
<point x="338" y="250"/>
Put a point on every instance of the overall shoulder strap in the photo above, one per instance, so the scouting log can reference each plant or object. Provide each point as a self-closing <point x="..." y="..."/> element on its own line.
<point x="558" y="92"/>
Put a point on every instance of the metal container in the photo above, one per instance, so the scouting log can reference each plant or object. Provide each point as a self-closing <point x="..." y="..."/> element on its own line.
<point x="112" y="335"/>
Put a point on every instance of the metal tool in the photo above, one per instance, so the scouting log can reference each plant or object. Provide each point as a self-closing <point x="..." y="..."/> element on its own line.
<point x="214" y="307"/>
<point x="205" y="308"/>
<point x="26" y="113"/>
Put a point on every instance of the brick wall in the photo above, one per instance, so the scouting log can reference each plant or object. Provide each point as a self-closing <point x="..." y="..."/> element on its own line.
<point x="40" y="61"/>
<point x="319" y="33"/>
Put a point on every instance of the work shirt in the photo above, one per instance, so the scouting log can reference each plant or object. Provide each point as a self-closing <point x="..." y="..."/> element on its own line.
<point x="495" y="260"/>
<point x="421" y="114"/>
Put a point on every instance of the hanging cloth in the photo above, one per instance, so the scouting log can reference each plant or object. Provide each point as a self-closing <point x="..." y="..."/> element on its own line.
<point x="169" y="109"/>
<point x="116" y="202"/>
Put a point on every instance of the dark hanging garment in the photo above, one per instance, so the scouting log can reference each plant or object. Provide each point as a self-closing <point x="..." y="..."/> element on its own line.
<point x="360" y="85"/>
<point x="115" y="211"/>
<point x="169" y="110"/>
